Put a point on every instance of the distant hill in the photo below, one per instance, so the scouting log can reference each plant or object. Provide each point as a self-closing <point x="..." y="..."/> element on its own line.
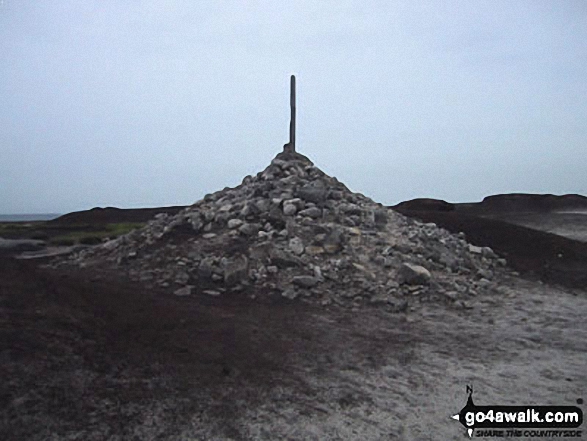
<point x="501" y="203"/>
<point x="425" y="204"/>
<point x="107" y="215"/>
<point x="516" y="202"/>
<point x="28" y="217"/>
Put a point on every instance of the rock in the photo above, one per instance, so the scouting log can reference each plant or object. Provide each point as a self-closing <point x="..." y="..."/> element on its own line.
<point x="296" y="246"/>
<point x="380" y="260"/>
<point x="474" y="249"/>
<point x="209" y="235"/>
<point x="289" y="293"/>
<point x="484" y="283"/>
<point x="249" y="209"/>
<point x="182" y="278"/>
<point x="334" y="241"/>
<point x="305" y="281"/>
<point x="452" y="295"/>
<point x="351" y="209"/>
<point x="413" y="274"/>
<point x="283" y="259"/>
<point x="318" y="273"/>
<point x="262" y="205"/>
<point x="335" y="195"/>
<point x="313" y="192"/>
<point x="313" y="250"/>
<point x="488" y="252"/>
<point x="234" y="223"/>
<point x="275" y="217"/>
<point x="196" y="222"/>
<point x="236" y="270"/>
<point x="211" y="292"/>
<point x="289" y="209"/>
<point x="449" y="261"/>
<point x="206" y="268"/>
<point x="222" y="217"/>
<point x="312" y="212"/>
<point x="249" y="229"/>
<point x="484" y="274"/>
<point x="380" y="216"/>
<point x="184" y="291"/>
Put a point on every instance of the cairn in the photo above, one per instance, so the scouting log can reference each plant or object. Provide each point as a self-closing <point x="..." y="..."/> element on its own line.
<point x="294" y="232"/>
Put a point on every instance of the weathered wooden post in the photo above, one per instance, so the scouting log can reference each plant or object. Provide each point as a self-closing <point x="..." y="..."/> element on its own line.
<point x="291" y="146"/>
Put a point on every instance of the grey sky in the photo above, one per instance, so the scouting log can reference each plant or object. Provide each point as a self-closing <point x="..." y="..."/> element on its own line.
<point x="149" y="103"/>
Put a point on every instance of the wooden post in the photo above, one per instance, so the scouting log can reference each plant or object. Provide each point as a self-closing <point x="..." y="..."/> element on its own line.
<point x="292" y="105"/>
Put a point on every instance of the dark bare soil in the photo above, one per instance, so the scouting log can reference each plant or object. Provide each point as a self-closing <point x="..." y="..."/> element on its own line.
<point x="78" y="352"/>
<point x="84" y="357"/>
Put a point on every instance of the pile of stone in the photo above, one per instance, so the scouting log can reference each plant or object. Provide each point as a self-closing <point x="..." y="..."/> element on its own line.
<point x="293" y="231"/>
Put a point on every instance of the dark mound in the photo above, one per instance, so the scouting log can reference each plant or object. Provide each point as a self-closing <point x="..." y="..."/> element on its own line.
<point x="425" y="204"/>
<point x="107" y="215"/>
<point x="552" y="258"/>
<point x="522" y="202"/>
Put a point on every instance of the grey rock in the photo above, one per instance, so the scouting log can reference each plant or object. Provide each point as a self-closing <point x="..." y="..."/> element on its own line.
<point x="182" y="277"/>
<point x="475" y="249"/>
<point x="313" y="212"/>
<point x="334" y="241"/>
<point x="351" y="210"/>
<point x="488" y="252"/>
<point x="305" y="281"/>
<point x="236" y="270"/>
<point x="335" y="195"/>
<point x="313" y="192"/>
<point x="222" y="217"/>
<point x="484" y="283"/>
<point x="296" y="245"/>
<point x="249" y="209"/>
<point x="318" y="273"/>
<point x="262" y="205"/>
<point x="184" y="291"/>
<point x="234" y="223"/>
<point x="413" y="274"/>
<point x="196" y="222"/>
<point x="249" y="229"/>
<point x="289" y="293"/>
<point x="284" y="259"/>
<point x="449" y="261"/>
<point x="211" y="292"/>
<point x="289" y="209"/>
<point x="275" y="217"/>
<point x="380" y="216"/>
<point x="206" y="268"/>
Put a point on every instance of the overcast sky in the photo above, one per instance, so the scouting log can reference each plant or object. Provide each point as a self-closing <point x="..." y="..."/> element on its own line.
<point x="152" y="103"/>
